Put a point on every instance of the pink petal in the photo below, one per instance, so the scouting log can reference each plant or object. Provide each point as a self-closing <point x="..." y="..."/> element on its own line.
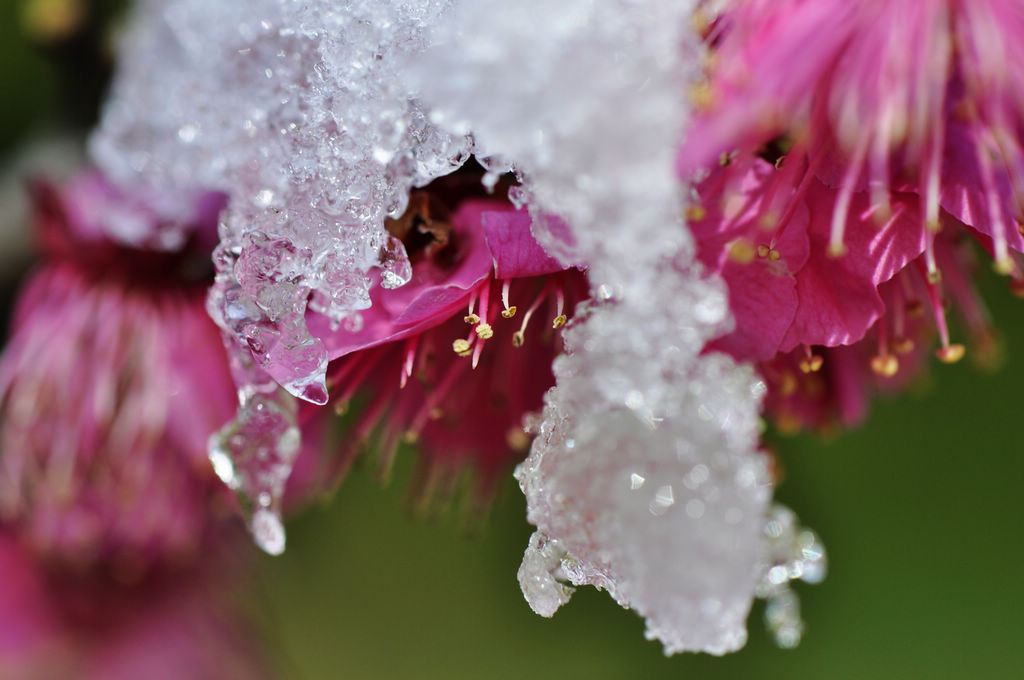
<point x="515" y="251"/>
<point x="762" y="292"/>
<point x="839" y="297"/>
<point x="963" y="189"/>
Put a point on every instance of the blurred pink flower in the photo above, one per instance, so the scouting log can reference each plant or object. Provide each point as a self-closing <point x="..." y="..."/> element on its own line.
<point x="113" y="526"/>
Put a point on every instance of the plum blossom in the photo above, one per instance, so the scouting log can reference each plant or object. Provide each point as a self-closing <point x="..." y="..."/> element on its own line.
<point x="843" y="193"/>
<point x="455" y="359"/>
<point x="118" y="543"/>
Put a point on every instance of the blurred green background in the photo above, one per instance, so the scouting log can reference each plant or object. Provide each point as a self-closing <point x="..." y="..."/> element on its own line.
<point x="920" y="511"/>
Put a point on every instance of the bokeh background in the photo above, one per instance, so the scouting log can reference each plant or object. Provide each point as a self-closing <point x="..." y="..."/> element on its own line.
<point x="920" y="509"/>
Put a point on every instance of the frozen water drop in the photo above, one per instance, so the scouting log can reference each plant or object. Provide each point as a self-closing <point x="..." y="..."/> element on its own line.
<point x="268" y="531"/>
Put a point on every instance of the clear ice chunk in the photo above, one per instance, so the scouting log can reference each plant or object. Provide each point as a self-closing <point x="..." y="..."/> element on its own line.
<point x="296" y="111"/>
<point x="254" y="455"/>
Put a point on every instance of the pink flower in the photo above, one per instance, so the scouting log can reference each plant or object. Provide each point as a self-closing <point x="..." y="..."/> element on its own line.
<point x="895" y="135"/>
<point x="455" y="359"/>
<point x="110" y="512"/>
<point x="104" y="442"/>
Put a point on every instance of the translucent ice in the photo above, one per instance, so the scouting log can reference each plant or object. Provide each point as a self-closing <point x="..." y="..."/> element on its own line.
<point x="295" y="110"/>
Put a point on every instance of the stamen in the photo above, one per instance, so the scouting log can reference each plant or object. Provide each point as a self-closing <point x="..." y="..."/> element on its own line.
<point x="509" y="311"/>
<point x="741" y="251"/>
<point x="836" y="246"/>
<point x="932" y="274"/>
<point x="788" y="384"/>
<point x="462" y="347"/>
<point x="880" y="204"/>
<point x="948" y="353"/>
<point x="483" y="329"/>
<point x="811" y="363"/>
<point x="695" y="213"/>
<point x="560" y="317"/>
<point x="519" y="337"/>
<point x="933" y="169"/>
<point x="1003" y="264"/>
<point x="410" y="359"/>
<point x="516" y="439"/>
<point x="885" y="365"/>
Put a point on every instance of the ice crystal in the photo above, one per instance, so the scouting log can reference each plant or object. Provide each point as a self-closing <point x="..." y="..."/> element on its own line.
<point x="296" y="111"/>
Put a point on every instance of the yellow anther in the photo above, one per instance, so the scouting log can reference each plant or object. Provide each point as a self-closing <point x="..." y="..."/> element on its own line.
<point x="516" y="439"/>
<point x="518" y="339"/>
<point x="436" y="413"/>
<point x="559" y="321"/>
<point x="768" y="221"/>
<point x="934" y="276"/>
<point x="837" y="249"/>
<point x="950" y="354"/>
<point x="788" y="384"/>
<point x="471" y="319"/>
<point x="700" y="96"/>
<point x="508" y="313"/>
<point x="915" y="309"/>
<point x="773" y="255"/>
<point x="1003" y="265"/>
<point x="763" y="250"/>
<point x="341" y="408"/>
<point x="811" y="364"/>
<point x="885" y="365"/>
<point x="410" y="437"/>
<point x="902" y="345"/>
<point x="53" y="20"/>
<point x="741" y="251"/>
<point x="725" y="159"/>
<point x="695" y="213"/>
<point x="484" y="330"/>
<point x="462" y="347"/>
